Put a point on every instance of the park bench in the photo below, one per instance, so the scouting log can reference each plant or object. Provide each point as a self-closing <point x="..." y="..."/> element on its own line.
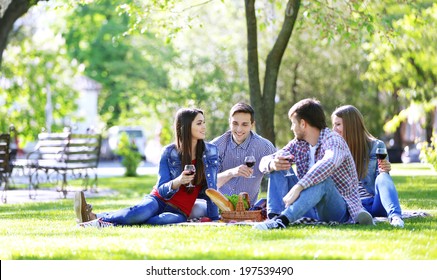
<point x="5" y="169"/>
<point x="58" y="157"/>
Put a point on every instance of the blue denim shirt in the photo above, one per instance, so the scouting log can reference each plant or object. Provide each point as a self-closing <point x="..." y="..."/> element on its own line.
<point x="372" y="169"/>
<point x="170" y="167"/>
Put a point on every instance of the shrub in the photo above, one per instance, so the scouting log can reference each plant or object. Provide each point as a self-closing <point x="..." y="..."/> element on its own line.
<point x="131" y="158"/>
<point x="428" y="152"/>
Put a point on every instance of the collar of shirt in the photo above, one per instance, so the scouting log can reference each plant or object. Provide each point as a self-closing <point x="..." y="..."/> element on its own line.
<point x="244" y="145"/>
<point x="306" y="146"/>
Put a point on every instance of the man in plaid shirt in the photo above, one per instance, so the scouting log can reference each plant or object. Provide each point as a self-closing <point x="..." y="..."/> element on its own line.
<point x="327" y="178"/>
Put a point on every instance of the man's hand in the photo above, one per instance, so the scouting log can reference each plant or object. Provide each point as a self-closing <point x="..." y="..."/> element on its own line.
<point x="227" y="175"/>
<point x="281" y="163"/>
<point x="241" y="170"/>
<point x="292" y="195"/>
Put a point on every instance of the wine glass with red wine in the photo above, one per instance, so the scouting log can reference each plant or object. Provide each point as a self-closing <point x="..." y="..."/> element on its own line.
<point x="191" y="168"/>
<point x="286" y="154"/>
<point x="250" y="162"/>
<point x="381" y="153"/>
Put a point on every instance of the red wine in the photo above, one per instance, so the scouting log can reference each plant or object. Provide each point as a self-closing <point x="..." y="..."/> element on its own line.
<point x="250" y="163"/>
<point x="381" y="156"/>
<point x="191" y="173"/>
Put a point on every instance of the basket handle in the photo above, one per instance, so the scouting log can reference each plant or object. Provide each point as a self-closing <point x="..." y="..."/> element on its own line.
<point x="240" y="204"/>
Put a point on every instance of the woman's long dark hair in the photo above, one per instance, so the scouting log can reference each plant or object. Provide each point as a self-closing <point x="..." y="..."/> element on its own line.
<point x="182" y="130"/>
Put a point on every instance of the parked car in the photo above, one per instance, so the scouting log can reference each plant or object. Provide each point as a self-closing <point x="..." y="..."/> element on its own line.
<point x="136" y="135"/>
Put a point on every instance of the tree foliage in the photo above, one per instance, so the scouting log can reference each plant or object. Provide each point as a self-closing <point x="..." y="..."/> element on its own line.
<point x="133" y="70"/>
<point x="404" y="65"/>
<point x="153" y="57"/>
<point x="332" y="18"/>
<point x="10" y="11"/>
<point x="130" y="157"/>
<point x="42" y="71"/>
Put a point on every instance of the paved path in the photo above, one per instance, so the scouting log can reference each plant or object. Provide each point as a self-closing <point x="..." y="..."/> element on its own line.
<point x="105" y="169"/>
<point x="45" y="195"/>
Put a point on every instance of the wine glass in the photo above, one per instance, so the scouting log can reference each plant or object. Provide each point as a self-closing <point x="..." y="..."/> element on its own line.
<point x="250" y="162"/>
<point x="381" y="153"/>
<point x="287" y="155"/>
<point x="191" y="168"/>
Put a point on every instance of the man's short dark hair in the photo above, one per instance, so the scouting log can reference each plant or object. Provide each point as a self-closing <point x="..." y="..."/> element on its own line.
<point x="243" y="108"/>
<point x="309" y="110"/>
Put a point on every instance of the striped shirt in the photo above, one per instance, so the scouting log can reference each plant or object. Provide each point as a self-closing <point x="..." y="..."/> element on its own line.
<point x="362" y="191"/>
<point x="232" y="155"/>
<point x="333" y="159"/>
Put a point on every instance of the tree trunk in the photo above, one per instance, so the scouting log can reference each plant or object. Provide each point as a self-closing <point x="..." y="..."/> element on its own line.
<point x="14" y="11"/>
<point x="252" y="60"/>
<point x="294" y="84"/>
<point x="264" y="102"/>
<point x="429" y="124"/>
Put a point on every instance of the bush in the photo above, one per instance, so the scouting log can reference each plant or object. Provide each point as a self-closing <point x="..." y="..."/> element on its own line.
<point x="131" y="158"/>
<point x="428" y="152"/>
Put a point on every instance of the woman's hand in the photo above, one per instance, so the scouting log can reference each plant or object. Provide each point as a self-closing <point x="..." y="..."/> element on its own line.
<point x="384" y="166"/>
<point x="183" y="179"/>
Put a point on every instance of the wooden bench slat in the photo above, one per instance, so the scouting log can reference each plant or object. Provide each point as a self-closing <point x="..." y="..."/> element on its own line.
<point x="64" y="152"/>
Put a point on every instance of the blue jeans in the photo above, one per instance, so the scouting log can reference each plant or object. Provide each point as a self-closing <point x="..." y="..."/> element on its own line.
<point x="279" y="185"/>
<point x="385" y="203"/>
<point x="151" y="210"/>
<point x="321" y="201"/>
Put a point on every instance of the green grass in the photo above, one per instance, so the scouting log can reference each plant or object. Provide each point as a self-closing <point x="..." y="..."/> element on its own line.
<point x="48" y="231"/>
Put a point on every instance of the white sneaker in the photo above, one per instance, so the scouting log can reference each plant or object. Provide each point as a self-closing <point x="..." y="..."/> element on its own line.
<point x="364" y="218"/>
<point x="397" y="221"/>
<point x="98" y="223"/>
<point x="269" y="224"/>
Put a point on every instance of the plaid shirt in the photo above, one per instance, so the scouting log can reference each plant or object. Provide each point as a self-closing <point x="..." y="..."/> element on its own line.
<point x="332" y="159"/>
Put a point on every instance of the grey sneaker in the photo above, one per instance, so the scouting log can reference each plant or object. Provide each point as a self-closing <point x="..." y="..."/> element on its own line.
<point x="98" y="223"/>
<point x="364" y="218"/>
<point x="397" y="221"/>
<point x="82" y="209"/>
<point x="269" y="224"/>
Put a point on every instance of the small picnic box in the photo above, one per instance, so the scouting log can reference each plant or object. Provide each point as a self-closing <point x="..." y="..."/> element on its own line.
<point x="240" y="214"/>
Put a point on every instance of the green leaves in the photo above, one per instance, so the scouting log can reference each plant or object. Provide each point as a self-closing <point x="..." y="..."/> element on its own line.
<point x="131" y="158"/>
<point x="36" y="71"/>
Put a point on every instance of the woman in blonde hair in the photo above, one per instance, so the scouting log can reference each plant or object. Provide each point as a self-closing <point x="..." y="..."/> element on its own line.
<point x="377" y="190"/>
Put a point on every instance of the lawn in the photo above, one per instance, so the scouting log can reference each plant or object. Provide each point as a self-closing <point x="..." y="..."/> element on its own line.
<point x="47" y="231"/>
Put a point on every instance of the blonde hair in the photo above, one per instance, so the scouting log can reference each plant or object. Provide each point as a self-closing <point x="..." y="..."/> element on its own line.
<point x="356" y="135"/>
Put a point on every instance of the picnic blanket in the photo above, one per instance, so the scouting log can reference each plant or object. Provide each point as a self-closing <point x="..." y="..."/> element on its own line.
<point x="305" y="221"/>
<point x="405" y="215"/>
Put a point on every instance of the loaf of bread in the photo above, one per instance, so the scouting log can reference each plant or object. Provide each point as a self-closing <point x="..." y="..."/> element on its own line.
<point x="222" y="202"/>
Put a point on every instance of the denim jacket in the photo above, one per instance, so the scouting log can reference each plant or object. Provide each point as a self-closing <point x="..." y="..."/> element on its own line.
<point x="170" y="167"/>
<point x="372" y="169"/>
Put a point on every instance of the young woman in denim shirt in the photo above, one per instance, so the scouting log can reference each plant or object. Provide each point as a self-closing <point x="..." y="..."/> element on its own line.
<point x="377" y="190"/>
<point x="171" y="200"/>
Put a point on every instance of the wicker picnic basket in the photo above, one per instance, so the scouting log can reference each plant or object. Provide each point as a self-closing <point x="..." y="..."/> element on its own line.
<point x="240" y="214"/>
